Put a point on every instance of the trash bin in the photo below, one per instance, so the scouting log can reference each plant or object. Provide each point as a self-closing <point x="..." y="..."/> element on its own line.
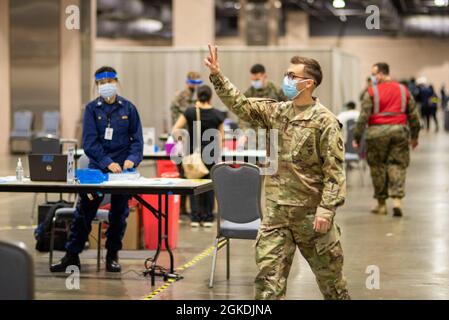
<point x="164" y="166"/>
<point x="165" y="169"/>
<point x="230" y="144"/>
<point x="150" y="222"/>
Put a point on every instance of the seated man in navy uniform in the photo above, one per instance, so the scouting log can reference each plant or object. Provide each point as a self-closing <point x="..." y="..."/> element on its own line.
<point x="113" y="141"/>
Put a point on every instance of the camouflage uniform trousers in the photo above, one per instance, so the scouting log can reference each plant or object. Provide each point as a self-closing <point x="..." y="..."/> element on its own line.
<point x="388" y="156"/>
<point x="276" y="246"/>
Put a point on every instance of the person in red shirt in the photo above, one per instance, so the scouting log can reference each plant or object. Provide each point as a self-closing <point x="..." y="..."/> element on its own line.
<point x="389" y="111"/>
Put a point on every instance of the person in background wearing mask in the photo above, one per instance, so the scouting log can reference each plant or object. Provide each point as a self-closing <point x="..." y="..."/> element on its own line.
<point x="310" y="184"/>
<point x="390" y="112"/>
<point x="113" y="141"/>
<point x="187" y="97"/>
<point x="211" y="118"/>
<point x="261" y="87"/>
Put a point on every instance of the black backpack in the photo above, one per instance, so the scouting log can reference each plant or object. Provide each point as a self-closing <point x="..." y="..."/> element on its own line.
<point x="42" y="233"/>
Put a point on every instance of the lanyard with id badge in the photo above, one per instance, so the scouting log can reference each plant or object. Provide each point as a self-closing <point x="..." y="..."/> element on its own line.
<point x="109" y="132"/>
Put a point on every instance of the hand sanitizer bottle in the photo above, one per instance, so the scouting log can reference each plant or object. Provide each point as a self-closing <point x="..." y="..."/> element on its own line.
<point x="169" y="145"/>
<point x="19" y="171"/>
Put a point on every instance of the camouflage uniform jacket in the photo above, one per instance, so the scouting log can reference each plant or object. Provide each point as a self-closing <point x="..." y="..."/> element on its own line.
<point x="380" y="130"/>
<point x="181" y="102"/>
<point x="310" y="170"/>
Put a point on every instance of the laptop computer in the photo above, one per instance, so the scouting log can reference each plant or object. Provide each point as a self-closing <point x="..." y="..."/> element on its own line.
<point x="48" y="167"/>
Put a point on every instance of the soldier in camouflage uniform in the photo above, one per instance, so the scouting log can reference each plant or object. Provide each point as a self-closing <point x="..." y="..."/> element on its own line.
<point x="185" y="98"/>
<point x="303" y="195"/>
<point x="261" y="88"/>
<point x="388" y="151"/>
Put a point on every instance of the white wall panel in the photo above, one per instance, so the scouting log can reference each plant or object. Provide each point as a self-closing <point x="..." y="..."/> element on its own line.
<point x="151" y="76"/>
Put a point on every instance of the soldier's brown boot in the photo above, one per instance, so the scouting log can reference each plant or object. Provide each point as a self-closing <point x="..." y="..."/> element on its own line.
<point x="380" y="208"/>
<point x="397" y="207"/>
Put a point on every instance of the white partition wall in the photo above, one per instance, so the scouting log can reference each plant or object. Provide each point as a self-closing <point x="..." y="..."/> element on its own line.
<point x="345" y="79"/>
<point x="151" y="76"/>
<point x="5" y="89"/>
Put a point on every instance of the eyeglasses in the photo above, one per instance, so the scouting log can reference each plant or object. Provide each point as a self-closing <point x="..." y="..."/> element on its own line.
<point x="293" y="76"/>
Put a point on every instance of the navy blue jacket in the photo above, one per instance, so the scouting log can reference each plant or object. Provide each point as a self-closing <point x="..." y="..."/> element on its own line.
<point x="127" y="139"/>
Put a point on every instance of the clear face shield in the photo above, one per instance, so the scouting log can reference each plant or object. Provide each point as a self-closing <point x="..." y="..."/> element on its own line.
<point x="193" y="85"/>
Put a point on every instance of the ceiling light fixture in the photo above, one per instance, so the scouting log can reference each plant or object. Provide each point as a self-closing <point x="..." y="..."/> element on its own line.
<point x="441" y="3"/>
<point x="339" y="4"/>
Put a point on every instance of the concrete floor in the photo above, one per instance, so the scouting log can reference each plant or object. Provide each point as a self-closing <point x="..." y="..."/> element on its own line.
<point x="411" y="253"/>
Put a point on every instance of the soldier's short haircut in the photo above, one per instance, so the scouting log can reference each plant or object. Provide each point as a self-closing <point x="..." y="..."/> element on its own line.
<point x="311" y="68"/>
<point x="193" y="75"/>
<point x="383" y="67"/>
<point x="257" y="68"/>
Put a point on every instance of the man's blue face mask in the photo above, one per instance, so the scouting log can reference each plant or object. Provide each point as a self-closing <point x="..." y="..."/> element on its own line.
<point x="289" y="87"/>
<point x="257" y="84"/>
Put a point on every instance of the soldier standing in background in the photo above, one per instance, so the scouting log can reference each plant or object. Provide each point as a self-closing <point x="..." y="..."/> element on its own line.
<point x="185" y="98"/>
<point x="390" y="112"/>
<point x="368" y="85"/>
<point x="303" y="195"/>
<point x="261" y="87"/>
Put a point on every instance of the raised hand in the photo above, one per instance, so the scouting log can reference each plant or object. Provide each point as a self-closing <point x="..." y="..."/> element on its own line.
<point x="212" y="60"/>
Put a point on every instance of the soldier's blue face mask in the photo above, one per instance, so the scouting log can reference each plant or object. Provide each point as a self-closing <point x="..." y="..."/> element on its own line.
<point x="289" y="87"/>
<point x="257" y="84"/>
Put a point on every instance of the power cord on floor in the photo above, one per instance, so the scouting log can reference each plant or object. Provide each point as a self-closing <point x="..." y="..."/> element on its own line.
<point x="138" y="273"/>
<point x="157" y="269"/>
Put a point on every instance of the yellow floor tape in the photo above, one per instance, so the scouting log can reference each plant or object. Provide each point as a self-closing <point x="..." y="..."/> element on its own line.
<point x="17" y="228"/>
<point x="185" y="266"/>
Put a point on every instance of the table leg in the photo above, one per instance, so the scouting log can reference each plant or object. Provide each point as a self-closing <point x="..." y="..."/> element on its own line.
<point x="167" y="245"/>
<point x="160" y="213"/>
<point x="159" y="239"/>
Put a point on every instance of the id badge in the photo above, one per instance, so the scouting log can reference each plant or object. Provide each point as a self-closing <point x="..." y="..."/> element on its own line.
<point x="108" y="133"/>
